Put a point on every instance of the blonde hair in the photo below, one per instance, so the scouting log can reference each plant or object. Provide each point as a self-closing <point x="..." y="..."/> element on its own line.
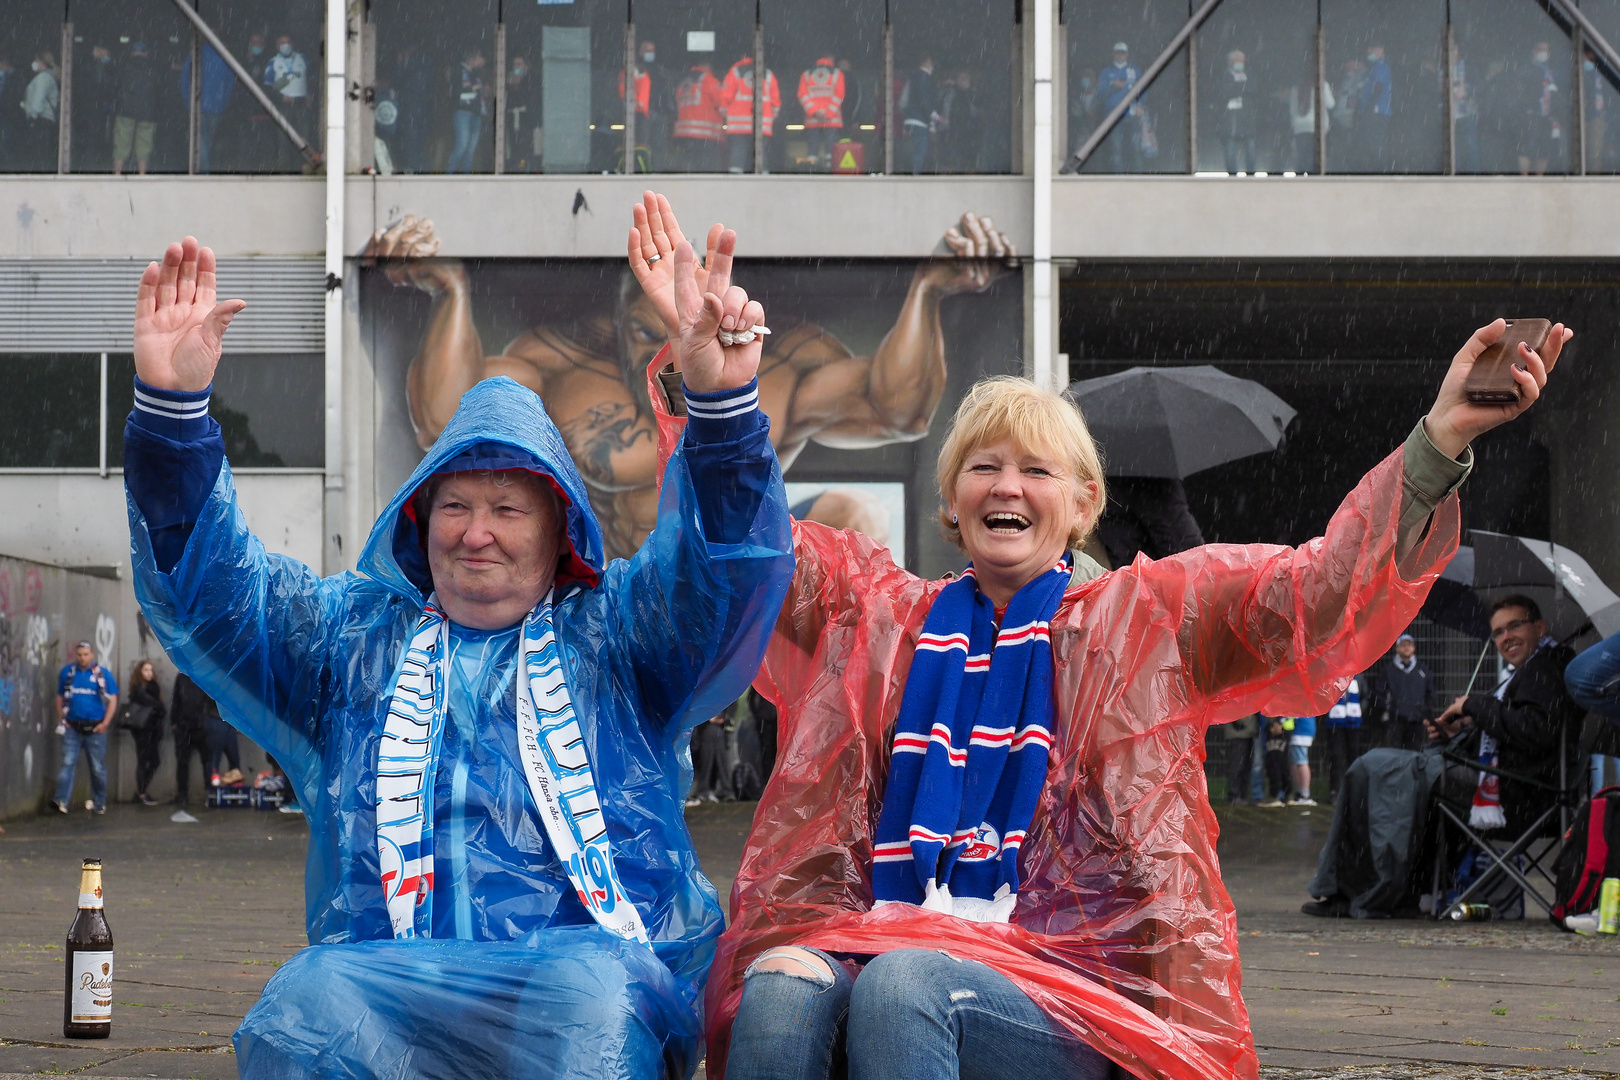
<point x="1038" y="422"/>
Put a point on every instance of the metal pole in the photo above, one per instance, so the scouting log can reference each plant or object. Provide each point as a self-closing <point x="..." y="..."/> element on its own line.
<point x="1318" y="97"/>
<point x="500" y="98"/>
<point x="64" y="103"/>
<point x="1096" y="137"/>
<point x="337" y="53"/>
<point x="1192" y="103"/>
<point x="103" y="426"/>
<point x="1580" y="104"/>
<point x="629" y="98"/>
<point x="888" y="96"/>
<point x="252" y="84"/>
<point x="1451" y="96"/>
<point x="761" y="86"/>
<point x="194" y="108"/>
<point x="1041" y="345"/>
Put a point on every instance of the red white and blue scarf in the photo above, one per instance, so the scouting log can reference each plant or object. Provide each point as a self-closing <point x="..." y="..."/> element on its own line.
<point x="970" y="751"/>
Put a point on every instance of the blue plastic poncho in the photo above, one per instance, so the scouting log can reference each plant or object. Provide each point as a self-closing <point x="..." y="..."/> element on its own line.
<point x="516" y="978"/>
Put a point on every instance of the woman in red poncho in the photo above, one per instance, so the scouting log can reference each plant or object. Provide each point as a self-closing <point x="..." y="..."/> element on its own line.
<point x="987" y="848"/>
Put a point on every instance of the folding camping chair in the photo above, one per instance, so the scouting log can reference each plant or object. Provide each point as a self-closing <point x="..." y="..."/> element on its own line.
<point x="1552" y="823"/>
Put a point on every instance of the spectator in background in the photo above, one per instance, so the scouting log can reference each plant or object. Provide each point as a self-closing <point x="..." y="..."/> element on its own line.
<point x="1343" y="734"/>
<point x="1406" y="698"/>
<point x="258" y="142"/>
<point x="86" y="700"/>
<point x="1238" y="103"/>
<point x="467" y="117"/>
<point x="135" y="124"/>
<point x="1540" y="134"/>
<point x="1278" y="729"/>
<point x="643" y="104"/>
<point x="821" y="94"/>
<point x="1302" y="118"/>
<point x="1465" y="122"/>
<point x="700" y="119"/>
<point x="1113" y="83"/>
<point x="1240" y="757"/>
<point x="1373" y="112"/>
<point x="522" y="107"/>
<point x="1300" y="737"/>
<point x="190" y="711"/>
<point x="653" y="131"/>
<point x="1595" y="98"/>
<point x="218" y="87"/>
<point x="1593" y="678"/>
<point x="961" y="126"/>
<point x="737" y="92"/>
<point x="413" y="86"/>
<point x="39" y="104"/>
<point x="919" y="112"/>
<point x="144" y="714"/>
<point x="95" y="95"/>
<point x="287" y="76"/>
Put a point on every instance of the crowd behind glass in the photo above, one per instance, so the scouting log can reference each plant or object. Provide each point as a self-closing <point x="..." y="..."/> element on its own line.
<point x="850" y="86"/>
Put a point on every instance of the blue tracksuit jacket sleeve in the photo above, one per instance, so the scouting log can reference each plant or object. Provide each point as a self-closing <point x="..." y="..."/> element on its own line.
<point x="697" y="603"/>
<point x="249" y="627"/>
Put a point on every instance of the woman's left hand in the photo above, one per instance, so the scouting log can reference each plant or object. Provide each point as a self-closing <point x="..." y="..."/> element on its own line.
<point x="707" y="365"/>
<point x="1454" y="421"/>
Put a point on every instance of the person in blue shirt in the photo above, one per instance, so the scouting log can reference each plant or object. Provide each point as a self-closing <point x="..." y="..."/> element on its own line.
<point x="486" y="724"/>
<point x="1300" y="737"/>
<point x="1373" y="111"/>
<point x="86" y="700"/>
<point x="1113" y="83"/>
<point x="214" y="97"/>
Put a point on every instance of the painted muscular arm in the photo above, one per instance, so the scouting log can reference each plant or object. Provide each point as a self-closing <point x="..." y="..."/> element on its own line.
<point x="451" y="359"/>
<point x="856" y="402"/>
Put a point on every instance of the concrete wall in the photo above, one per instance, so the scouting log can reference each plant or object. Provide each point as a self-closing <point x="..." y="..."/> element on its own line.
<point x="1150" y="217"/>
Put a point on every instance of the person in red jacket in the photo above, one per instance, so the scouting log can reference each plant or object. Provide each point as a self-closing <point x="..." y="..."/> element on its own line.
<point x="700" y="116"/>
<point x="821" y="93"/>
<point x="738" y="92"/>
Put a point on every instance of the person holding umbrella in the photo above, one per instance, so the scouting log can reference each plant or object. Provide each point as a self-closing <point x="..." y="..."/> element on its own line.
<point x="987" y="848"/>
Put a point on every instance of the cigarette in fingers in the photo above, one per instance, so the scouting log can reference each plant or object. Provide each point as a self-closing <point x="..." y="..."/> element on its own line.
<point x="741" y="337"/>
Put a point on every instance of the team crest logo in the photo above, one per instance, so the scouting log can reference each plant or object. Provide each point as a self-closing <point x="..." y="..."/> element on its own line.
<point x="985" y="844"/>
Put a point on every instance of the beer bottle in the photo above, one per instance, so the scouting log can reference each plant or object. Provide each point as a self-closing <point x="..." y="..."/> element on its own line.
<point x="87" y="1000"/>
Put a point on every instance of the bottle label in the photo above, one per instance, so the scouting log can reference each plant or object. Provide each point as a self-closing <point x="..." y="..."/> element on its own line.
<point x="90" y="899"/>
<point x="92" y="987"/>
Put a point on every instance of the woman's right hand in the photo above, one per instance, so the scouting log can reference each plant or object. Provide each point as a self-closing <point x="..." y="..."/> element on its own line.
<point x="179" y="328"/>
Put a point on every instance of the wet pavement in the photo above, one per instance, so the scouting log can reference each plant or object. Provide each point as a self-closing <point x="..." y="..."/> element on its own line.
<point x="203" y="914"/>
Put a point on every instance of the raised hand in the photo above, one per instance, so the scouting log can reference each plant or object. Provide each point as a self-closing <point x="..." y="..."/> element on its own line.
<point x="706" y="365"/>
<point x="1454" y="421"/>
<point x="179" y="329"/>
<point x="979" y="254"/>
<point x="652" y="244"/>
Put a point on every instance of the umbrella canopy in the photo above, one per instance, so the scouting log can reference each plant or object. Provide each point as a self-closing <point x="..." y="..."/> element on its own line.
<point x="1176" y="421"/>
<point x="1555" y="577"/>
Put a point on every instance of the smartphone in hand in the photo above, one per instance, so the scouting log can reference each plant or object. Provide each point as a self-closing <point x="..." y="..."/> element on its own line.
<point x="1490" y="381"/>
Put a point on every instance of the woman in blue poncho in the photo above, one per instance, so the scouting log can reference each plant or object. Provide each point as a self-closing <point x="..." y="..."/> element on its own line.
<point x="485" y="723"/>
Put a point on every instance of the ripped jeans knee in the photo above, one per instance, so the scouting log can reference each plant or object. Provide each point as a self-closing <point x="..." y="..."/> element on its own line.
<point x="791" y="1021"/>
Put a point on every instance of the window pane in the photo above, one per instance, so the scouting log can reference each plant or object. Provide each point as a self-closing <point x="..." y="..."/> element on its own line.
<point x="1250" y="53"/>
<point x="1385" y="73"/>
<point x="128" y="112"/>
<point x="279" y="43"/>
<point x="1600" y="87"/>
<point x="564" y="67"/>
<point x="437" y="57"/>
<point x="1152" y="136"/>
<point x="270" y="409"/>
<point x="704" y="53"/>
<point x="1516" y="70"/>
<point x="49" y="413"/>
<point x="829" y="56"/>
<point x="954" y="78"/>
<point x="31" y="33"/>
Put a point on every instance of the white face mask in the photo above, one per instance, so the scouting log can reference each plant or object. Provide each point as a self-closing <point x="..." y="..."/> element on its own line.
<point x="1588" y="65"/>
<point x="1237" y="68"/>
<point x="1373" y="58"/>
<point x="1540" y="58"/>
<point x="284" y="49"/>
<point x="38" y="66"/>
<point x="647" y="57"/>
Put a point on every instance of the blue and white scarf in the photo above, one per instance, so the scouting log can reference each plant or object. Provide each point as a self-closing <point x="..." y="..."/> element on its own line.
<point x="970" y="751"/>
<point x="556" y="768"/>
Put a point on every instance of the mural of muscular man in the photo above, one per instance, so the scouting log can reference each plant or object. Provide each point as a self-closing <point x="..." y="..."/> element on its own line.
<point x="591" y="372"/>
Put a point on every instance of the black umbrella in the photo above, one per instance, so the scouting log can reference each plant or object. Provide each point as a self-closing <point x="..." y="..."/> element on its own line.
<point x="1176" y="421"/>
<point x="1561" y="583"/>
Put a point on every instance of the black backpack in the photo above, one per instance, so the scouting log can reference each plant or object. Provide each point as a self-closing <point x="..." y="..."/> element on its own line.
<point x="1591" y="853"/>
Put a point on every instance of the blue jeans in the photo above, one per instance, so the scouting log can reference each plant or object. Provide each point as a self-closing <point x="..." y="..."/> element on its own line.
<point x="468" y="126"/>
<point x="913" y="1014"/>
<point x="1593" y="678"/>
<point x="94" y="748"/>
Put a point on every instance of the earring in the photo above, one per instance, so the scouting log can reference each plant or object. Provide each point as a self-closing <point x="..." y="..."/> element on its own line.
<point x="953" y="519"/>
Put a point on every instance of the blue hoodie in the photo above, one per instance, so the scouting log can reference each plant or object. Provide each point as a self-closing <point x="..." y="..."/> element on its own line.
<point x="303" y="665"/>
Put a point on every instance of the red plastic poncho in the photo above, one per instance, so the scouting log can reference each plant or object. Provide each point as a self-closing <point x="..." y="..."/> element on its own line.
<point x="1123" y="932"/>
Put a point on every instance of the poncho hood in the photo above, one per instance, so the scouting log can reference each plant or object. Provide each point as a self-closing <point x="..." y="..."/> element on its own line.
<point x="500" y="424"/>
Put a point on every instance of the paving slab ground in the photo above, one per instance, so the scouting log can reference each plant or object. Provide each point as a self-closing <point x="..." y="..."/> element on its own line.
<point x="203" y="914"/>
